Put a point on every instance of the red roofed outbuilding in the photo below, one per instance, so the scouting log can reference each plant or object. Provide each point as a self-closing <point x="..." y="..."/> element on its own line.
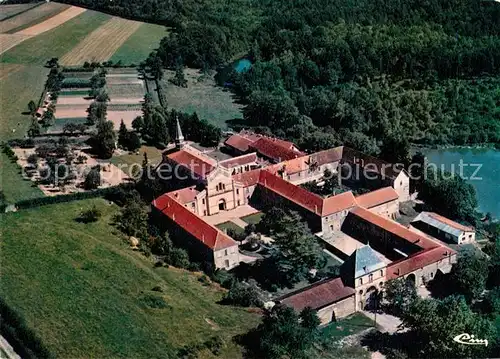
<point x="190" y="231"/>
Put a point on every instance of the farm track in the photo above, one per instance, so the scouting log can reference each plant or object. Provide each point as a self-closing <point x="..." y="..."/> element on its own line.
<point x="101" y="43"/>
<point x="31" y="17"/>
<point x="53" y="22"/>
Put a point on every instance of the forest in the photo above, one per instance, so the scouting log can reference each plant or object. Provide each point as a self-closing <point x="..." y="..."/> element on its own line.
<point x="361" y="73"/>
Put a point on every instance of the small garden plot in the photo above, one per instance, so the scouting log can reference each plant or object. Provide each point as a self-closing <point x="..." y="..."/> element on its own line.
<point x="253" y="218"/>
<point x="74" y="111"/>
<point x="133" y="90"/>
<point x="73" y="92"/>
<point x="127" y="116"/>
<point x="348" y="326"/>
<point x="230" y="225"/>
<point x="129" y="159"/>
<point x="75" y="82"/>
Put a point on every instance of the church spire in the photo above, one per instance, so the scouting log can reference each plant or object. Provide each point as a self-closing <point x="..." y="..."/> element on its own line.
<point x="179" y="138"/>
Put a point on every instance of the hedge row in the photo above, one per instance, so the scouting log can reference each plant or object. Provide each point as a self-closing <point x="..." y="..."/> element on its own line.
<point x="42" y="201"/>
<point x="23" y="340"/>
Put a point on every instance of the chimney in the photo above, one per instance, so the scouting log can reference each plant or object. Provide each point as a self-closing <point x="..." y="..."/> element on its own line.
<point x="203" y="238"/>
<point x="173" y="216"/>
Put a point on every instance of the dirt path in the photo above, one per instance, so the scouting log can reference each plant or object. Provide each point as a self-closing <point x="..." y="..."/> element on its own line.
<point x="53" y="22"/>
<point x="101" y="43"/>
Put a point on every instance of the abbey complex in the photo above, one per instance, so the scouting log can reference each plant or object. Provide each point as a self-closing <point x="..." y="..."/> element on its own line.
<point x="253" y="172"/>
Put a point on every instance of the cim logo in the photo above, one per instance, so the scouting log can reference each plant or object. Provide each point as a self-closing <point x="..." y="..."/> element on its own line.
<point x="469" y="339"/>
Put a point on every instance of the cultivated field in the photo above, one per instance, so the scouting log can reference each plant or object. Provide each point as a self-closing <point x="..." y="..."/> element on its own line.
<point x="53" y="22"/>
<point x="140" y="44"/>
<point x="202" y="96"/>
<point x="55" y="42"/>
<point x="102" y="43"/>
<point x="31" y="17"/>
<point x="7" y="11"/>
<point x="93" y="292"/>
<point x="8" y="41"/>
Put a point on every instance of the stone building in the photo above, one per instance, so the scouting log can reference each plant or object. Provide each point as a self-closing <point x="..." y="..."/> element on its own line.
<point x="331" y="298"/>
<point x="203" y="241"/>
<point x="443" y="228"/>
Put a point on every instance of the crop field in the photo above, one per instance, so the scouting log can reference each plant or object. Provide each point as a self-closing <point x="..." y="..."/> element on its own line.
<point x="53" y="21"/>
<point x="202" y="96"/>
<point x="102" y="43"/>
<point x="7" y="11"/>
<point x="55" y="42"/>
<point x="31" y="17"/>
<point x="8" y="41"/>
<point x="140" y="44"/>
<point x="94" y="293"/>
<point x="116" y="116"/>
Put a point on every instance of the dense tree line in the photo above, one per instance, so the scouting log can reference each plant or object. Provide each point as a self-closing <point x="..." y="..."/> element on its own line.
<point x="347" y="72"/>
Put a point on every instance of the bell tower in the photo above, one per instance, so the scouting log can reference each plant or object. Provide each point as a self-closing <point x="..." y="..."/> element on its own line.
<point x="179" y="138"/>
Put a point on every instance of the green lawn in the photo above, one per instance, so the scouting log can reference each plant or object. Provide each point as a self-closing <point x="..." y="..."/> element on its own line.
<point x="79" y="93"/>
<point x="230" y="225"/>
<point x="13" y="186"/>
<point x="253" y="218"/>
<point x="353" y="324"/>
<point x="16" y="90"/>
<point x="140" y="44"/>
<point x="82" y="290"/>
<point x="56" y="42"/>
<point x="129" y="159"/>
<point x="210" y="102"/>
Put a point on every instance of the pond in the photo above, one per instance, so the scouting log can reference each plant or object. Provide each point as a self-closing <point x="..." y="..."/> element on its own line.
<point x="239" y="66"/>
<point x="480" y="167"/>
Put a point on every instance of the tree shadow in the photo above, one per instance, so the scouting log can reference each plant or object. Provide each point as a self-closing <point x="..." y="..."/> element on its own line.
<point x="389" y="344"/>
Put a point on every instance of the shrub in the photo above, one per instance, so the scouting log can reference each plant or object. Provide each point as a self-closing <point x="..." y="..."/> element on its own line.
<point x="215" y="345"/>
<point x="179" y="258"/>
<point x="154" y="301"/>
<point x="93" y="178"/>
<point x="204" y="280"/>
<point x="224" y="278"/>
<point x="91" y="215"/>
<point x="245" y="295"/>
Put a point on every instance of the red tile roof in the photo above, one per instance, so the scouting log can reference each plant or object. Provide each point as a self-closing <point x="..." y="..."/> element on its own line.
<point x="275" y="150"/>
<point x="338" y="203"/>
<point x="394" y="228"/>
<point x="239" y="161"/>
<point x="449" y="222"/>
<point x="417" y="261"/>
<point x="327" y="156"/>
<point x="191" y="161"/>
<point x="293" y="193"/>
<point x="185" y="195"/>
<point x="378" y="197"/>
<point x="319" y="295"/>
<point x="239" y="142"/>
<point x="249" y="178"/>
<point x="290" y="167"/>
<point x="191" y="223"/>
<point x="374" y="164"/>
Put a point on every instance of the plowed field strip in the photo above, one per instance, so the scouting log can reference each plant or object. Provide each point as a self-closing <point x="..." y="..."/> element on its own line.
<point x="53" y="22"/>
<point x="101" y="43"/>
<point x="31" y="17"/>
<point x="8" y="41"/>
<point x="8" y="11"/>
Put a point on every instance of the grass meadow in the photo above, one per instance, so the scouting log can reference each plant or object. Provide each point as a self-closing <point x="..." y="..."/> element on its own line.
<point x="210" y="102"/>
<point x="87" y="294"/>
<point x="18" y="87"/>
<point x="13" y="186"/>
<point x="55" y="42"/>
<point x="139" y="45"/>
